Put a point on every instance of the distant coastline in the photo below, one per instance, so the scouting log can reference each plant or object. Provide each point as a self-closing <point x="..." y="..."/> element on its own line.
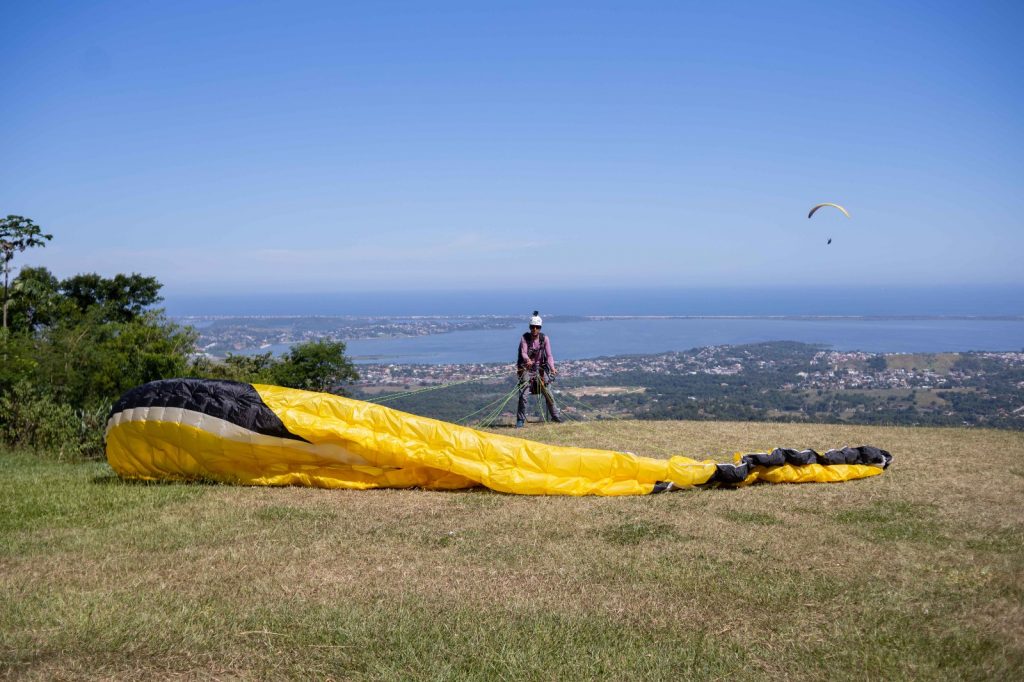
<point x="1010" y="318"/>
<point x="483" y="339"/>
<point x="476" y="326"/>
<point x="751" y="301"/>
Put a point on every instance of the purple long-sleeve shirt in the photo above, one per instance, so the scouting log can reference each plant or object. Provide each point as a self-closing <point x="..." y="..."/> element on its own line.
<point x="534" y="345"/>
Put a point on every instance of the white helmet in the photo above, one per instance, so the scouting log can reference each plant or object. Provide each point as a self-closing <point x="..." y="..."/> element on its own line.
<point x="535" y="321"/>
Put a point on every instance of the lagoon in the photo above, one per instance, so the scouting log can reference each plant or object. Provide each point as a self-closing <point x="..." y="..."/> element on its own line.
<point x="630" y="336"/>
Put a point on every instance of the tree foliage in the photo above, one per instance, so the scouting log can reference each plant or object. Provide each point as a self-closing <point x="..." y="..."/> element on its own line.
<point x="121" y="298"/>
<point x="17" y="234"/>
<point x="35" y="300"/>
<point x="312" y="366"/>
<point x="252" y="369"/>
<point x="316" y="366"/>
<point x="86" y="359"/>
<point x="73" y="346"/>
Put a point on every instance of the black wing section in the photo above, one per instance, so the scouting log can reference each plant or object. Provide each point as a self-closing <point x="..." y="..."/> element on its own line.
<point x="231" y="401"/>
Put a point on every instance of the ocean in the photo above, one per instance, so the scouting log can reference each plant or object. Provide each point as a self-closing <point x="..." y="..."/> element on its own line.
<point x="747" y="300"/>
<point x="872" y="319"/>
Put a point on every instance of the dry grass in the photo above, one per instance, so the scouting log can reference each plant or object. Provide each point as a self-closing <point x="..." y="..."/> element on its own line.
<point x="913" y="574"/>
<point x="937" y="362"/>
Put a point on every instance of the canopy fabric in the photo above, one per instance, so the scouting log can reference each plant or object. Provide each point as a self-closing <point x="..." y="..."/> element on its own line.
<point x="229" y="432"/>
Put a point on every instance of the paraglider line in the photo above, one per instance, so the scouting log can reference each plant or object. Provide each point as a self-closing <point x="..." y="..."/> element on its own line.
<point x="506" y="397"/>
<point x="494" y="414"/>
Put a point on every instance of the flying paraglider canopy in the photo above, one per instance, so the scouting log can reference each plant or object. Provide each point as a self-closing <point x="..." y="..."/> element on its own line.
<point x="815" y="209"/>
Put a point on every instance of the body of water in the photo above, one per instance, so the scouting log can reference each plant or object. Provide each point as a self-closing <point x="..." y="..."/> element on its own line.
<point x="748" y="315"/>
<point x="579" y="340"/>
<point x="768" y="300"/>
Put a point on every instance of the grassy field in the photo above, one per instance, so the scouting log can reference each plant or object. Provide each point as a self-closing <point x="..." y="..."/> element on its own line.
<point x="937" y="362"/>
<point x="915" y="574"/>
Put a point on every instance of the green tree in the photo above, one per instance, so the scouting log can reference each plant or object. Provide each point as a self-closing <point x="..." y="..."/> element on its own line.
<point x="316" y="366"/>
<point x="86" y="359"/>
<point x="73" y="347"/>
<point x="249" y="369"/>
<point x="18" y="360"/>
<point x="35" y="300"/>
<point x="17" y="233"/>
<point x="122" y="298"/>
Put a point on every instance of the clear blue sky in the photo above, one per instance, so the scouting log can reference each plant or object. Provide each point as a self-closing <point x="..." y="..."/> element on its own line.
<point x="314" y="147"/>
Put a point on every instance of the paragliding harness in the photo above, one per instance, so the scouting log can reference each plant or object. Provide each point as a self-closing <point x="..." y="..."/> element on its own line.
<point x="541" y="372"/>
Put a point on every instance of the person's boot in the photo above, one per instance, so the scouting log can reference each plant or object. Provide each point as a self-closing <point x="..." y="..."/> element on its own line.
<point x="519" y="423"/>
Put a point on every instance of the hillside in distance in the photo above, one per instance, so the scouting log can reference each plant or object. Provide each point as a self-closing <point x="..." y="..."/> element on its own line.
<point x="778" y="381"/>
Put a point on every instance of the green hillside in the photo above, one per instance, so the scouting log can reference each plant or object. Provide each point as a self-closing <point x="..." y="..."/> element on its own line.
<point x="918" y="573"/>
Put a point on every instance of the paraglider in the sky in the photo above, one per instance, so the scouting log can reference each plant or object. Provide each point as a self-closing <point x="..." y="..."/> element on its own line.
<point x="815" y="209"/>
<point x="195" y="429"/>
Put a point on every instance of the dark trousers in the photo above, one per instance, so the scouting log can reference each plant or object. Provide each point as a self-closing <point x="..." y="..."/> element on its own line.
<point x="539" y="384"/>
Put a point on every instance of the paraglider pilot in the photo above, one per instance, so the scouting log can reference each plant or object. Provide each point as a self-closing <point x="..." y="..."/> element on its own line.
<point x="535" y="364"/>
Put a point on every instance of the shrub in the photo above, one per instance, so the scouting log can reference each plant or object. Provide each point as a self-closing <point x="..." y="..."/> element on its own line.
<point x="34" y="420"/>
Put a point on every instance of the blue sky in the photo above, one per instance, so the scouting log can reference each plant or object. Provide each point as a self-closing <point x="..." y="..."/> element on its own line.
<point x="322" y="147"/>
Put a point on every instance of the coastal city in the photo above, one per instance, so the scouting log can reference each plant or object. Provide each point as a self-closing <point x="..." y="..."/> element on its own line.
<point x="781" y="380"/>
<point x="223" y="335"/>
<point x="828" y="370"/>
<point x="778" y="380"/>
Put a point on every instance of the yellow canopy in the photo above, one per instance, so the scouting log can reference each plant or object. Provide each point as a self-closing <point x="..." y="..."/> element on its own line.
<point x="191" y="429"/>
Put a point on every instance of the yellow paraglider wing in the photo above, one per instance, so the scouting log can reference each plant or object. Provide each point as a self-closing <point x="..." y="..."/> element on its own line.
<point x="196" y="429"/>
<point x="815" y="209"/>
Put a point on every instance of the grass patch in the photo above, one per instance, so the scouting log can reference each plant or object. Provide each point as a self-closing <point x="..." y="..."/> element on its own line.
<point x="40" y="498"/>
<point x="756" y="518"/>
<point x="894" y="520"/>
<point x="912" y="574"/>
<point x="635" y="532"/>
<point x="1000" y="540"/>
<point x="386" y="640"/>
<point x="286" y="513"/>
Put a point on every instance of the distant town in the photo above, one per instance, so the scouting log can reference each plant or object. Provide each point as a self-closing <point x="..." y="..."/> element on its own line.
<point x="220" y="336"/>
<point x="783" y="381"/>
<point x="780" y="381"/>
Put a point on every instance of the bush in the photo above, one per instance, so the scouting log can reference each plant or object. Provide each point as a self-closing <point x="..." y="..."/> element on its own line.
<point x="248" y="369"/>
<point x="316" y="366"/>
<point x="73" y="347"/>
<point x="34" y="420"/>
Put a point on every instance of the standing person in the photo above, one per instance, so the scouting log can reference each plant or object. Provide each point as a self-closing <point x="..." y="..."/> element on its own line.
<point x="535" y="364"/>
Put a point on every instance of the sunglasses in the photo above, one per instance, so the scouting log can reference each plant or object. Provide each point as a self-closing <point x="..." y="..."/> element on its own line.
<point x="534" y="326"/>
